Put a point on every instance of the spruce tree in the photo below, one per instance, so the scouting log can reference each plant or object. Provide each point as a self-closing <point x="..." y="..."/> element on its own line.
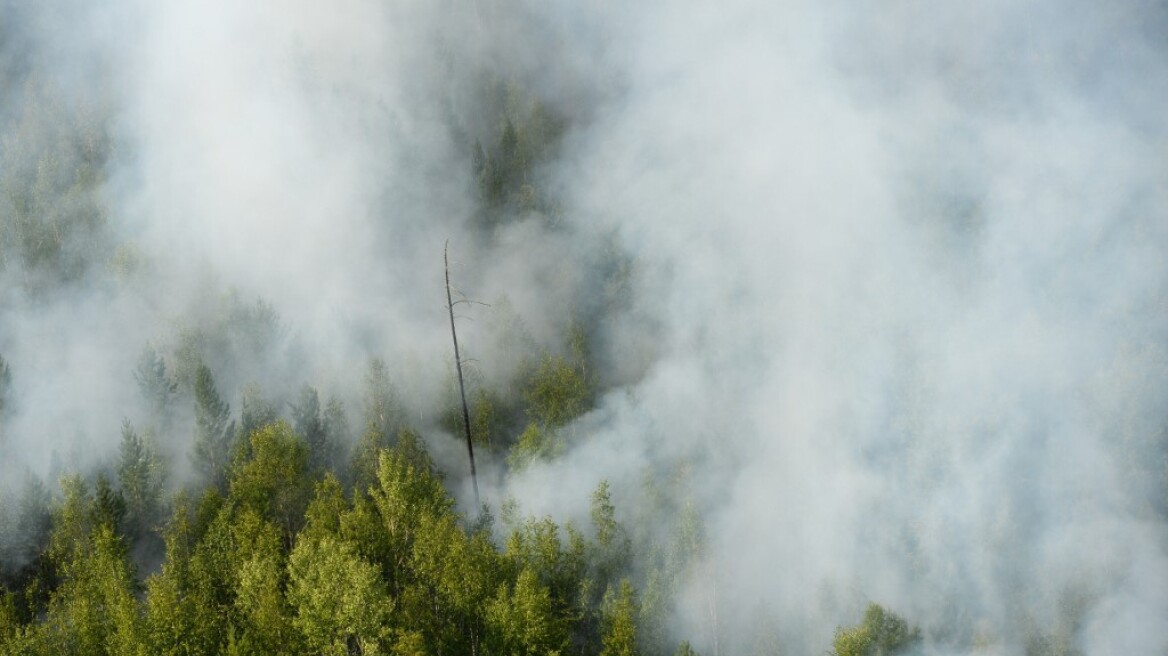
<point x="213" y="435"/>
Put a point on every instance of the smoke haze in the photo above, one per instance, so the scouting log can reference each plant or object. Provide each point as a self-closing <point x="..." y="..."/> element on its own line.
<point x="896" y="299"/>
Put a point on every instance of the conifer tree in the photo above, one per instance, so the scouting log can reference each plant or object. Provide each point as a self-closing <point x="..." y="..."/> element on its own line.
<point x="140" y="478"/>
<point x="620" y="623"/>
<point x="309" y="423"/>
<point x="155" y="385"/>
<point x="255" y="412"/>
<point x="213" y="435"/>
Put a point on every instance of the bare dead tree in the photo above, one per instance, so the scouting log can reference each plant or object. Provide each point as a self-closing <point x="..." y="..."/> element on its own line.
<point x="458" y="366"/>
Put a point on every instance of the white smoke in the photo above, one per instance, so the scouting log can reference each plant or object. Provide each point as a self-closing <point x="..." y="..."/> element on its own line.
<point x="897" y="294"/>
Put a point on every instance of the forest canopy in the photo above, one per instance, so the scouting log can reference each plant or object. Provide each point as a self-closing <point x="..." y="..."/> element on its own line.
<point x="782" y="329"/>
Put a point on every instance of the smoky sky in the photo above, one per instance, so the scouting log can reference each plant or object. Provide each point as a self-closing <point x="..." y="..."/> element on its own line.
<point x="897" y="296"/>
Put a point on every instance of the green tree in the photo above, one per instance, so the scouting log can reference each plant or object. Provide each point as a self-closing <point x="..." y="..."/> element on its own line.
<point x="109" y="506"/>
<point x="486" y="427"/>
<point x="274" y="481"/>
<point x="155" y="385"/>
<point x="182" y="618"/>
<point x="213" y="435"/>
<point x="534" y="443"/>
<point x="33" y="523"/>
<point x="522" y="619"/>
<point x="310" y="424"/>
<point x="94" y="610"/>
<point x="322" y="518"/>
<point x="459" y="572"/>
<point x="339" y="599"/>
<point x="881" y="633"/>
<point x="405" y="493"/>
<point x="536" y="545"/>
<point x="614" y="548"/>
<point x="556" y="392"/>
<point x="266" y="624"/>
<point x="141" y="478"/>
<point x="337" y="436"/>
<point x="52" y="222"/>
<point x="620" y="621"/>
<point x="382" y="414"/>
<point x="255" y="412"/>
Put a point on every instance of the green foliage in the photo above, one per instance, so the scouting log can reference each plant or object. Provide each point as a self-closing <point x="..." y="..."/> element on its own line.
<point x="213" y="435"/>
<point x="506" y="171"/>
<point x="265" y="619"/>
<point x="536" y="545"/>
<point x="610" y="535"/>
<point x="372" y="559"/>
<point x="381" y="411"/>
<point x="274" y="482"/>
<point x="180" y="615"/>
<point x="71" y="524"/>
<point x="619" y="621"/>
<point x="611" y="554"/>
<point x="367" y="455"/>
<point x="52" y="214"/>
<point x="93" y="610"/>
<point x="882" y="633"/>
<point x="10" y="624"/>
<point x="522" y="620"/>
<point x="25" y="565"/>
<point x="109" y="506"/>
<point x="534" y="443"/>
<point x="255" y="412"/>
<point x="307" y="422"/>
<point x="405" y="493"/>
<point x="141" y="478"/>
<point x="237" y="340"/>
<point x="323" y="432"/>
<point x="337" y="436"/>
<point x="157" y="388"/>
<point x="485" y="422"/>
<point x="556" y="392"/>
<point x="322" y="518"/>
<point x="338" y="598"/>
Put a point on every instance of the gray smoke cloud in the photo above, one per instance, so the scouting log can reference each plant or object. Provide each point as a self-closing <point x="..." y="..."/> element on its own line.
<point x="897" y="301"/>
<point x="909" y="264"/>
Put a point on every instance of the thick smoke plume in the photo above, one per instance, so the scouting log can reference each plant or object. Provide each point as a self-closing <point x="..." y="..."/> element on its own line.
<point x="895" y="308"/>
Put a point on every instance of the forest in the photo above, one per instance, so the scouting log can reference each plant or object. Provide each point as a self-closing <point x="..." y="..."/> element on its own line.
<point x="781" y="331"/>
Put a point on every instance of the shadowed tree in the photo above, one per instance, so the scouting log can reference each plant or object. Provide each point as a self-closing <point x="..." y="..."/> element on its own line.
<point x="173" y="608"/>
<point x="337" y="435"/>
<point x="213" y="435"/>
<point x="94" y="610"/>
<point x="140" y="478"/>
<point x="155" y="385"/>
<point x="311" y="424"/>
<point x="255" y="412"/>
<point x="380" y="407"/>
